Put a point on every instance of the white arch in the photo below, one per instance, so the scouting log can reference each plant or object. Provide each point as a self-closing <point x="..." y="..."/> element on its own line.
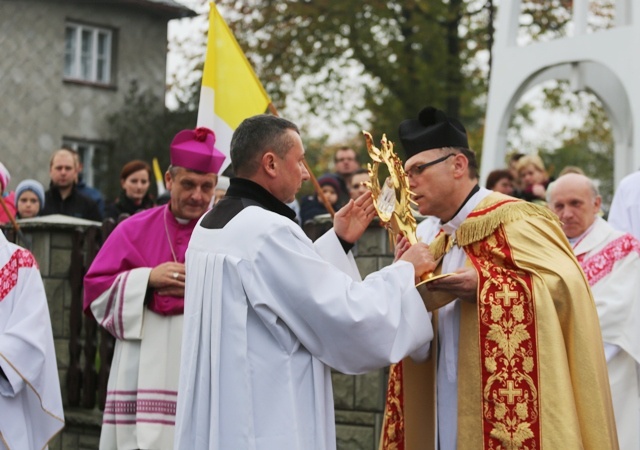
<point x="603" y="62"/>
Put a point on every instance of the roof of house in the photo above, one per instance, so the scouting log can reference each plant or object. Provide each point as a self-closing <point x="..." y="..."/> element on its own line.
<point x="169" y="8"/>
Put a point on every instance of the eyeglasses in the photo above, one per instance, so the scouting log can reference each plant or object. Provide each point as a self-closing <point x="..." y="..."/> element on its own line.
<point x="417" y="170"/>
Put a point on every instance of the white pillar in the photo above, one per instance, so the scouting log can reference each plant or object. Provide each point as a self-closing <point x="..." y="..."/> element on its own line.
<point x="603" y="62"/>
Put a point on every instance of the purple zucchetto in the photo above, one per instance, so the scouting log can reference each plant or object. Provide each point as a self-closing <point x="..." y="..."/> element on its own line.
<point x="432" y="130"/>
<point x="195" y="150"/>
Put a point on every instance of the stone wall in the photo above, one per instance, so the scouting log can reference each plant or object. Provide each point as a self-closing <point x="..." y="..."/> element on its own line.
<point x="50" y="239"/>
<point x="359" y="400"/>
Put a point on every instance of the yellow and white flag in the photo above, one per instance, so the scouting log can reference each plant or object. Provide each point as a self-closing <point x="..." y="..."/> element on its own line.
<point x="231" y="91"/>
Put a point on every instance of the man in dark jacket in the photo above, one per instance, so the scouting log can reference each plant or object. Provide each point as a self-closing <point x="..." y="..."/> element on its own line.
<point x="63" y="196"/>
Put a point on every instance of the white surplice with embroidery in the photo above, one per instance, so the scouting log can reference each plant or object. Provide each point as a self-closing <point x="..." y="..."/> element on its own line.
<point x="268" y="313"/>
<point x="30" y="401"/>
<point x="143" y="382"/>
<point x="611" y="261"/>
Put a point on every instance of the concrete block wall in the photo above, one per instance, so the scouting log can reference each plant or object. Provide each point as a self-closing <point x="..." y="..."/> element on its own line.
<point x="50" y="239"/>
<point x="359" y="399"/>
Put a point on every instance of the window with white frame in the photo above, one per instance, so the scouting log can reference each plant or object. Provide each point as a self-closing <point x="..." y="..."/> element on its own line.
<point x="87" y="53"/>
<point x="95" y="161"/>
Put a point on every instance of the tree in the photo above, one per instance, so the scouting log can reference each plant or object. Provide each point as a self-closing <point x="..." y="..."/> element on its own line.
<point x="409" y="53"/>
<point x="589" y="146"/>
<point x="402" y="55"/>
<point x="142" y="130"/>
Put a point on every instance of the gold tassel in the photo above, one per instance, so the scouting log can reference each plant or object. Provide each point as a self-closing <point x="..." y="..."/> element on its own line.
<point x="480" y="226"/>
<point x="438" y="245"/>
<point x="476" y="228"/>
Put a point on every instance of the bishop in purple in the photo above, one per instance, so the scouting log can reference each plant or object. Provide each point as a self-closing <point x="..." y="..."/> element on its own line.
<point x="135" y="290"/>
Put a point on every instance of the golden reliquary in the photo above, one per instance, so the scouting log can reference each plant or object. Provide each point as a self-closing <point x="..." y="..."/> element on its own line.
<point x="393" y="199"/>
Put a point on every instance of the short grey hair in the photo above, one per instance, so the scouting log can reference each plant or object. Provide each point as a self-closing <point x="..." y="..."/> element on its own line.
<point x="256" y="135"/>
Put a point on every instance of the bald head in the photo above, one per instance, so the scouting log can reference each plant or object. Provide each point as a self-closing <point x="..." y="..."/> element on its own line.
<point x="63" y="170"/>
<point x="575" y="200"/>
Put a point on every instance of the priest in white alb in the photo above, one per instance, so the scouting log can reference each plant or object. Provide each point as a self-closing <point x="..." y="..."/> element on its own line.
<point x="135" y="290"/>
<point x="611" y="261"/>
<point x="30" y="401"/>
<point x="268" y="313"/>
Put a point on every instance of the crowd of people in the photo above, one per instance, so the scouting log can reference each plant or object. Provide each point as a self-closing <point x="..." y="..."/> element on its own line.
<point x="69" y="195"/>
<point x="228" y="326"/>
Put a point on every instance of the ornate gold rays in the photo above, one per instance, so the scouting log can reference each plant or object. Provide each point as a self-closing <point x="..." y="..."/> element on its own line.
<point x="392" y="200"/>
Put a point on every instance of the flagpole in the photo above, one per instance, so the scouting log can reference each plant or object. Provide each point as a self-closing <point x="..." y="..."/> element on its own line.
<point x="229" y="54"/>
<point x="316" y="185"/>
<point x="159" y="178"/>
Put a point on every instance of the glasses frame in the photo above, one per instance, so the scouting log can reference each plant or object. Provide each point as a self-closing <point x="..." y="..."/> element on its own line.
<point x="417" y="170"/>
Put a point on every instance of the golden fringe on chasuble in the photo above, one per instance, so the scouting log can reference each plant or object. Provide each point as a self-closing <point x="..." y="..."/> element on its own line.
<point x="531" y="369"/>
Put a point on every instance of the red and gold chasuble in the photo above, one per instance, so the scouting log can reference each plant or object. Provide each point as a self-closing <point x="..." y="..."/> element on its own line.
<point x="531" y="369"/>
<point x="508" y="347"/>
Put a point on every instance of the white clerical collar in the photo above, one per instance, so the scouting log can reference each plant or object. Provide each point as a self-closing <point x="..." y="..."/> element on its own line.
<point x="180" y="220"/>
<point x="574" y="241"/>
<point x="451" y="226"/>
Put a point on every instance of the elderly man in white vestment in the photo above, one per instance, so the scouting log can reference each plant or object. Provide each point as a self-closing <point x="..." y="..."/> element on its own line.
<point x="268" y="313"/>
<point x="611" y="261"/>
<point x="30" y="402"/>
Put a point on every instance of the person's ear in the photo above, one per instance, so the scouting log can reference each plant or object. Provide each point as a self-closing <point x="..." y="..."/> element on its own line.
<point x="460" y="165"/>
<point x="270" y="164"/>
<point x="167" y="180"/>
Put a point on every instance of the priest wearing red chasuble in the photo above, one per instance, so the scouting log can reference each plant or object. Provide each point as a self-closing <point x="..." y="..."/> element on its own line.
<point x="517" y="360"/>
<point x="135" y="290"/>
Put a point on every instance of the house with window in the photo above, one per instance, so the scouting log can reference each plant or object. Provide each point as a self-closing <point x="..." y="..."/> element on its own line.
<point x="65" y="66"/>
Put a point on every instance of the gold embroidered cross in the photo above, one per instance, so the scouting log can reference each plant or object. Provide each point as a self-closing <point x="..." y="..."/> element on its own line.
<point x="506" y="295"/>
<point x="510" y="392"/>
